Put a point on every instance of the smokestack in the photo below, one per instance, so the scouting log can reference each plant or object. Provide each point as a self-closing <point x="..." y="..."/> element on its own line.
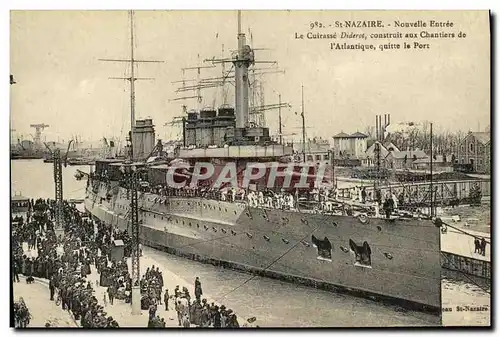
<point x="388" y="119"/>
<point x="241" y="79"/>
<point x="385" y="120"/>
<point x="377" y="127"/>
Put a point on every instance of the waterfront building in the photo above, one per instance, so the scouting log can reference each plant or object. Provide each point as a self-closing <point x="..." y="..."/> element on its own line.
<point x="403" y="159"/>
<point x="369" y="158"/>
<point x="350" y="146"/>
<point x="317" y="151"/>
<point x="475" y="149"/>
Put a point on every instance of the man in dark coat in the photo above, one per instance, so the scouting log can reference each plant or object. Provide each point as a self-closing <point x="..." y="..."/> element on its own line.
<point x="52" y="288"/>
<point x="197" y="289"/>
<point x="15" y="270"/>
<point x="477" y="246"/>
<point x="216" y="317"/>
<point x="388" y="206"/>
<point x="111" y="293"/>
<point x="152" y="311"/>
<point x="165" y="299"/>
<point x="483" y="246"/>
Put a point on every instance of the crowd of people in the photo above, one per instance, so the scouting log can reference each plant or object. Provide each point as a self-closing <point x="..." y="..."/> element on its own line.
<point x="321" y="200"/>
<point x="324" y="200"/>
<point x="197" y="312"/>
<point x="21" y="314"/>
<point x="480" y="246"/>
<point x="65" y="259"/>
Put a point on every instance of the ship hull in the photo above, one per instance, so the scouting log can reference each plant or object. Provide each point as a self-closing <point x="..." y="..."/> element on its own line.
<point x="405" y="255"/>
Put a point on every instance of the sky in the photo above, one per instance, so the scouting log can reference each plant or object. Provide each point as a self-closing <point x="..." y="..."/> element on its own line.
<point x="61" y="82"/>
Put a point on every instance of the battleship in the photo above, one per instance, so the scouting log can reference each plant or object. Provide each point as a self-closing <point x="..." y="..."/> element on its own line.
<point x="393" y="258"/>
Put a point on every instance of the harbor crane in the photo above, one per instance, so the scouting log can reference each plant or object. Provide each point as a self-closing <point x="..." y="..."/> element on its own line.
<point x="58" y="163"/>
<point x="38" y="132"/>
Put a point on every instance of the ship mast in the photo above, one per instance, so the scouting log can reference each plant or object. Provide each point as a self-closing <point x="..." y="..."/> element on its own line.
<point x="303" y="128"/>
<point x="133" y="61"/>
<point x="279" y="119"/>
<point x="132" y="81"/>
<point x="431" y="182"/>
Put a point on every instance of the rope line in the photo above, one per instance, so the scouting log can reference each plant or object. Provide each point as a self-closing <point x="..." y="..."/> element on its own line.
<point x="466" y="276"/>
<point x="466" y="233"/>
<point x="273" y="262"/>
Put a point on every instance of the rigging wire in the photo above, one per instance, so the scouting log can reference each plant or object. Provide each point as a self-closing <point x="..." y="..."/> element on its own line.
<point x="273" y="262"/>
<point x="466" y="276"/>
<point x="464" y="232"/>
<point x="78" y="189"/>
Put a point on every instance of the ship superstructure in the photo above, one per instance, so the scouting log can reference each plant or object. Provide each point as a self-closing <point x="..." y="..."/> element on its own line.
<point x="303" y="234"/>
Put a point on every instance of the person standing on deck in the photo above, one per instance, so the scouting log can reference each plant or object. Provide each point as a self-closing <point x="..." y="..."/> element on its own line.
<point x="378" y="196"/>
<point x="363" y="195"/>
<point x="483" y="247"/>
<point x="197" y="289"/>
<point x="261" y="198"/>
<point x="388" y="206"/>
<point x="377" y="211"/>
<point x="394" y="200"/>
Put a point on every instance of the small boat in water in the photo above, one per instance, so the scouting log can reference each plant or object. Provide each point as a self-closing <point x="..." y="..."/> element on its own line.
<point x="80" y="161"/>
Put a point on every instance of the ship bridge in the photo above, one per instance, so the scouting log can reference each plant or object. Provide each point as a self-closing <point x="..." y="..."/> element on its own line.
<point x="238" y="151"/>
